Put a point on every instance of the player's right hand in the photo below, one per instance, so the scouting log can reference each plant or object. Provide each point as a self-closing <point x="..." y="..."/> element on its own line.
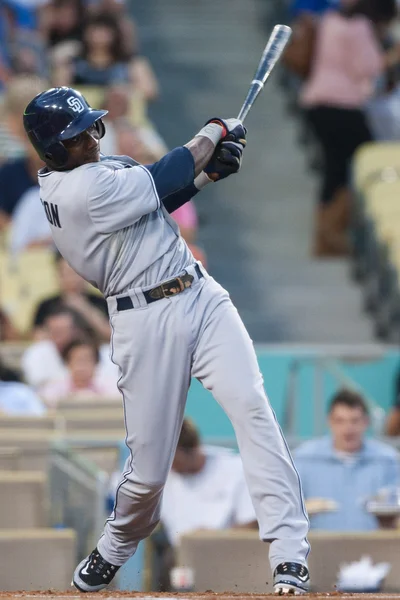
<point x="233" y="130"/>
<point x="226" y="160"/>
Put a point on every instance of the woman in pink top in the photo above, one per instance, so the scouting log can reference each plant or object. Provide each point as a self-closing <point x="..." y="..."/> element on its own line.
<point x="348" y="61"/>
<point x="186" y="217"/>
<point x="81" y="380"/>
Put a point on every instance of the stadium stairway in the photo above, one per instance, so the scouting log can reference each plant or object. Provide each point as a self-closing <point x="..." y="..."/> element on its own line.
<point x="255" y="227"/>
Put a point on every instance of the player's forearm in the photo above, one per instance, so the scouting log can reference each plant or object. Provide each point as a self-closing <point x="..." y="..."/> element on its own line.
<point x="202" y="150"/>
<point x="178" y="199"/>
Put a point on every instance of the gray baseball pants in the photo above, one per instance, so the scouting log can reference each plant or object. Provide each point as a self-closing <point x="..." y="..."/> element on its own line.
<point x="158" y="348"/>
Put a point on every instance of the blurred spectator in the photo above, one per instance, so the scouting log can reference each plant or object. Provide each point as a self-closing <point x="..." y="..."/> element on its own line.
<point x="186" y="217"/>
<point x="61" y="25"/>
<point x="16" y="398"/>
<point x="8" y="332"/>
<point x="313" y="6"/>
<point x="19" y="176"/>
<point x="42" y="362"/>
<point x="103" y="61"/>
<point x="393" y="421"/>
<point x="81" y="358"/>
<point x="92" y="308"/>
<point x="341" y="472"/>
<point x="141" y="143"/>
<point x="117" y="8"/>
<point x="206" y="489"/>
<point x="348" y="59"/>
<point x="22" y="46"/>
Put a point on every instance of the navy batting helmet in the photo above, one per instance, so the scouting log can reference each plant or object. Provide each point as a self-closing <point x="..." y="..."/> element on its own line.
<point x="57" y="115"/>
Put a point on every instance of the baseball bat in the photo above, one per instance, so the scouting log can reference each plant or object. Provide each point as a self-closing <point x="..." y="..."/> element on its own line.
<point x="272" y="53"/>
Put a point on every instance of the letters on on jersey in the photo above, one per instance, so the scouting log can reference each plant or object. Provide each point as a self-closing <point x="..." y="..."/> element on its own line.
<point x="52" y="213"/>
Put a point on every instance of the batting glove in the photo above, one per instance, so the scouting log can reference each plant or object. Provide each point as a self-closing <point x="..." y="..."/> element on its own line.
<point x="226" y="160"/>
<point x="232" y="130"/>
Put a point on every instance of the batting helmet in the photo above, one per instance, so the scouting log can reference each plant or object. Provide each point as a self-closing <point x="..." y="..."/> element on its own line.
<point x="57" y="115"/>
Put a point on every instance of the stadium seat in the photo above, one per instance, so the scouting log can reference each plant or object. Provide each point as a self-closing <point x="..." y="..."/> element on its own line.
<point x="137" y="107"/>
<point x="101" y="403"/>
<point x="236" y="560"/>
<point x="21" y="422"/>
<point x="22" y="499"/>
<point x="96" y="419"/>
<point x="372" y="159"/>
<point x="10" y="459"/>
<point x="36" y="559"/>
<point x="34" y="446"/>
<point x="25" y="280"/>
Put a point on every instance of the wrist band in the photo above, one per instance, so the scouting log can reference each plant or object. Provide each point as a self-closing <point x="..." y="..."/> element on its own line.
<point x="202" y="180"/>
<point x="212" y="131"/>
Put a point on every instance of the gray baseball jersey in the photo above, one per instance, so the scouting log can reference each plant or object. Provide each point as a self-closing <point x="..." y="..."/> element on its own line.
<point x="107" y="221"/>
<point x="109" y="224"/>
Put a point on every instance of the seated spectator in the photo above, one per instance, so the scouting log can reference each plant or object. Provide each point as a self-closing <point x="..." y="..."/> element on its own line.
<point x="23" y="46"/>
<point x="18" y="176"/>
<point x="186" y="217"/>
<point x="313" y="6"/>
<point x="122" y="137"/>
<point x="92" y="308"/>
<point x="117" y="8"/>
<point x="8" y="331"/>
<point x="206" y="489"/>
<point x="340" y="472"/>
<point x="62" y="21"/>
<point x="348" y="59"/>
<point x="16" y="398"/>
<point x="81" y="358"/>
<point x="42" y="362"/>
<point x="29" y="227"/>
<point x="104" y="62"/>
<point x="393" y="420"/>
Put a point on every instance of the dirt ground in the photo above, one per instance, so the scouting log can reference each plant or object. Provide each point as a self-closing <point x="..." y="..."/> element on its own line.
<point x="71" y="594"/>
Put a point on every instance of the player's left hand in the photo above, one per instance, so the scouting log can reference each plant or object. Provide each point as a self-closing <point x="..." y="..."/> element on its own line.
<point x="226" y="160"/>
<point x="232" y="130"/>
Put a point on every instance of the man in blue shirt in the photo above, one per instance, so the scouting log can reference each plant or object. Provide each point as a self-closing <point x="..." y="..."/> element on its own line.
<point x="345" y="469"/>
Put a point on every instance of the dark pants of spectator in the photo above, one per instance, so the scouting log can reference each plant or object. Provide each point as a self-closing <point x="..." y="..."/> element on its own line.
<point x="340" y="132"/>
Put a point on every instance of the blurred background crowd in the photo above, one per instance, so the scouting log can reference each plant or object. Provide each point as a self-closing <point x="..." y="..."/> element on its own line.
<point x="305" y="239"/>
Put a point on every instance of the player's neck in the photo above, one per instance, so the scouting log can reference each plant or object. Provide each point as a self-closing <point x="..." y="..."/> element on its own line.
<point x="90" y="160"/>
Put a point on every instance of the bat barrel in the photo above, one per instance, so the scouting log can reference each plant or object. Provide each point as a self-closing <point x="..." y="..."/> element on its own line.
<point x="272" y="52"/>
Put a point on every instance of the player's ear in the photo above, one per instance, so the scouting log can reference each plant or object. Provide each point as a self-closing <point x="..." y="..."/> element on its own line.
<point x="101" y="128"/>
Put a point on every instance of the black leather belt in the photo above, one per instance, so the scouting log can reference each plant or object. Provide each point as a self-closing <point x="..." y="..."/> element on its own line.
<point x="166" y="290"/>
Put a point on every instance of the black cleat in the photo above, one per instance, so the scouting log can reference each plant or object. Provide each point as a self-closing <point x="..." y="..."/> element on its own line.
<point x="94" y="573"/>
<point x="291" y="578"/>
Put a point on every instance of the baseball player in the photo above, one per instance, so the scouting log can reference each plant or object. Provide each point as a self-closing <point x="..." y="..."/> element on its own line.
<point x="171" y="321"/>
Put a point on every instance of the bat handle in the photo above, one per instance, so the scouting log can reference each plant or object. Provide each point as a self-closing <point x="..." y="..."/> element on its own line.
<point x="255" y="88"/>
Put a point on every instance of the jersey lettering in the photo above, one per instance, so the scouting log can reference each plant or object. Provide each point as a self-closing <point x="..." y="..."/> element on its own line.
<point x="52" y="215"/>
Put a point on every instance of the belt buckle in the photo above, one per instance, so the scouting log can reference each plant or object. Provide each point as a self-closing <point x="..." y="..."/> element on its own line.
<point x="174" y="290"/>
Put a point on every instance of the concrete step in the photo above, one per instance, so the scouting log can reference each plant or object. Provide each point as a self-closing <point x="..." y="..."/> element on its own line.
<point x="256" y="226"/>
